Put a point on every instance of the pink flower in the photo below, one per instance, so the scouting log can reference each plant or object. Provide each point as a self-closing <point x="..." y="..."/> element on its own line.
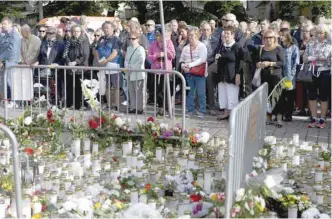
<point x="233" y="214"/>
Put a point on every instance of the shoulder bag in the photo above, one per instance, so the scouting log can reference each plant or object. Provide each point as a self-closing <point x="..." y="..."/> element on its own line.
<point x="197" y="70"/>
<point x="305" y="72"/>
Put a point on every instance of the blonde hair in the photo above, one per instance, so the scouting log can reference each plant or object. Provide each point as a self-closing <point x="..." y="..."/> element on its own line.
<point x="196" y="31"/>
<point x="273" y="34"/>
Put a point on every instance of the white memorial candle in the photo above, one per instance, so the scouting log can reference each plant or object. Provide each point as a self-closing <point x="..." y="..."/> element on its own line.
<point x="296" y="160"/>
<point x="36" y="208"/>
<point x="200" y="180"/>
<point x="318" y="175"/>
<point x="207" y="181"/>
<point x="26" y="207"/>
<point x="134" y="196"/>
<point x="2" y="209"/>
<point x="134" y="161"/>
<point x="95" y="148"/>
<point x="296" y="139"/>
<point x="77" y="150"/>
<point x="87" y="159"/>
<point x="159" y="153"/>
<point x="143" y="198"/>
<point x="87" y="144"/>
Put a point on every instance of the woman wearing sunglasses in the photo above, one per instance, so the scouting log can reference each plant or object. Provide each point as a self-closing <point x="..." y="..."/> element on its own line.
<point x="271" y="61"/>
<point x="135" y="59"/>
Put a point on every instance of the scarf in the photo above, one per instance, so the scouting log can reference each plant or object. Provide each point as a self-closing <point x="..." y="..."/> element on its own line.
<point x="75" y="44"/>
<point x="51" y="42"/>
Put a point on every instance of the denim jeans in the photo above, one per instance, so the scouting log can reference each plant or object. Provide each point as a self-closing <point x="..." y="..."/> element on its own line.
<point x="196" y="84"/>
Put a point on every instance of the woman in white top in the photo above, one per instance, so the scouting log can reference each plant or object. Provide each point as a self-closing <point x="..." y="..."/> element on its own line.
<point x="135" y="59"/>
<point x="194" y="55"/>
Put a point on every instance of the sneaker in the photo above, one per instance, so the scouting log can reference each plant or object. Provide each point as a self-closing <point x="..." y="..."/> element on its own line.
<point x="12" y="105"/>
<point x="213" y="113"/>
<point x="321" y="124"/>
<point x="200" y="115"/>
<point x="189" y="114"/>
<point x="125" y="103"/>
<point x="313" y="123"/>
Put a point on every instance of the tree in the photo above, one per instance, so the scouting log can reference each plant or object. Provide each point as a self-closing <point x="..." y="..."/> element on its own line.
<point x="317" y="8"/>
<point x="219" y="8"/>
<point x="90" y="8"/>
<point x="12" y="9"/>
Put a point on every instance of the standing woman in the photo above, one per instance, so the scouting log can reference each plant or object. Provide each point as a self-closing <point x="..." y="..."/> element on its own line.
<point x="292" y="59"/>
<point x="194" y="55"/>
<point x="76" y="53"/>
<point x="229" y="74"/>
<point x="135" y="58"/>
<point x="302" y="86"/>
<point x="271" y="60"/>
<point x="318" y="53"/>
<point x="108" y="54"/>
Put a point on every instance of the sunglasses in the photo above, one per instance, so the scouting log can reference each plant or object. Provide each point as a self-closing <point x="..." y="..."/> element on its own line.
<point x="226" y="20"/>
<point x="97" y="35"/>
<point x="50" y="33"/>
<point x="67" y="31"/>
<point x="132" y="38"/>
<point x="268" y="37"/>
<point x="41" y="31"/>
<point x="148" y="25"/>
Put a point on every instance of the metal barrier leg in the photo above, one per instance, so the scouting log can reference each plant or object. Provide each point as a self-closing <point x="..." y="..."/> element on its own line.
<point x="17" y="180"/>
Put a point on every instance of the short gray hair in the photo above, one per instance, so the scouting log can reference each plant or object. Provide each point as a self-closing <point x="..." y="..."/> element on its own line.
<point x="26" y="28"/>
<point x="230" y="16"/>
<point x="83" y="19"/>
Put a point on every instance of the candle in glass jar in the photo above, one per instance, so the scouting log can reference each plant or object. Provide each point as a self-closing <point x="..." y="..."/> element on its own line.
<point x="296" y="160"/>
<point x="152" y="204"/>
<point x="318" y="175"/>
<point x="319" y="198"/>
<point x="95" y="148"/>
<point x="296" y="139"/>
<point x="126" y="149"/>
<point x="143" y="199"/>
<point x="26" y="206"/>
<point x="292" y="211"/>
<point x="134" y="161"/>
<point x="200" y="180"/>
<point x="159" y="153"/>
<point x="134" y="196"/>
<point x="2" y="209"/>
<point x="207" y="180"/>
<point x="87" y="159"/>
<point x="36" y="208"/>
<point x="74" y="144"/>
<point x="77" y="149"/>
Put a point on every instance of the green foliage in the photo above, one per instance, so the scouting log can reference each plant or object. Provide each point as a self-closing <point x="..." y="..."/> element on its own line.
<point x="317" y="8"/>
<point x="12" y="9"/>
<point x="219" y="8"/>
<point x="90" y="8"/>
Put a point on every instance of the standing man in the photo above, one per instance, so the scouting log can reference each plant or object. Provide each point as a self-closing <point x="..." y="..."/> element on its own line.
<point x="10" y="47"/>
<point x="175" y="33"/>
<point x="30" y="47"/>
<point x="211" y="44"/>
<point x="257" y="39"/>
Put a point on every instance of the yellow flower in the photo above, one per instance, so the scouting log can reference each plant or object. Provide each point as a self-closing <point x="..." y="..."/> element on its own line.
<point x="260" y="207"/>
<point x="36" y="216"/>
<point x="288" y="84"/>
<point x="214" y="197"/>
<point x="97" y="205"/>
<point x="118" y="205"/>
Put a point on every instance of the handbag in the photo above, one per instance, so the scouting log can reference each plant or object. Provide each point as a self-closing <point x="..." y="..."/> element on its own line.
<point x="197" y="70"/>
<point x="305" y="72"/>
<point x="256" y="81"/>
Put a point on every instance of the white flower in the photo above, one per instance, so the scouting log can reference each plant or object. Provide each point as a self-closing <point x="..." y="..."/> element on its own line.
<point x="246" y="206"/>
<point x="162" y="200"/>
<point x="324" y="216"/>
<point x="261" y="160"/>
<point x="41" y="116"/>
<point x="239" y="194"/>
<point x="115" y="184"/>
<point x="258" y="165"/>
<point x="84" y="205"/>
<point x="131" y="183"/>
<point x="163" y="125"/>
<point x="204" y="137"/>
<point x="288" y="190"/>
<point x="119" y="122"/>
<point x="115" y="193"/>
<point x="271" y="140"/>
<point x="262" y="152"/>
<point x="139" y="122"/>
<point x="265" y="164"/>
<point x="28" y="120"/>
<point x="69" y="205"/>
<point x="269" y="182"/>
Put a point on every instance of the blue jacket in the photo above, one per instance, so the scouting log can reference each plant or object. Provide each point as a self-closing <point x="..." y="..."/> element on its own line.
<point x="292" y="59"/>
<point x="10" y="47"/>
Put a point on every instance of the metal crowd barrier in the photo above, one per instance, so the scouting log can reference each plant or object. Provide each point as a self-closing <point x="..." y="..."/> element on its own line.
<point x="16" y="169"/>
<point x="247" y="131"/>
<point x="54" y="85"/>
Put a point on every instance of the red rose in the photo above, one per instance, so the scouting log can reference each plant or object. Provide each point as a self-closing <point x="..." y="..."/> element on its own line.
<point x="29" y="151"/>
<point x="51" y="120"/>
<point x="49" y="114"/>
<point x="93" y="124"/>
<point x="43" y="207"/>
<point x="123" y="186"/>
<point x="195" y="198"/>
<point x="115" y="159"/>
<point x="150" y="119"/>
<point x="101" y="120"/>
<point x="115" y="117"/>
<point x="148" y="186"/>
<point x="155" y="134"/>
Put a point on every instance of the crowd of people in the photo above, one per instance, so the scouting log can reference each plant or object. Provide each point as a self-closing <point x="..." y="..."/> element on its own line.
<point x="216" y="60"/>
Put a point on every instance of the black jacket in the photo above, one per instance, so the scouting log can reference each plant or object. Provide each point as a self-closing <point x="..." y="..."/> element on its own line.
<point x="79" y="54"/>
<point x="229" y="63"/>
<point x="55" y="54"/>
<point x="214" y="42"/>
